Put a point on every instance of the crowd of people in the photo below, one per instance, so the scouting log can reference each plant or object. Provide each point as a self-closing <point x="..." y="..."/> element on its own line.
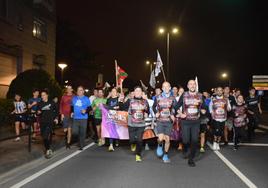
<point x="198" y="117"/>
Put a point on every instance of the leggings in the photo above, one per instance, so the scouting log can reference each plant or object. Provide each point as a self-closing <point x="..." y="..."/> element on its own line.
<point x="135" y="137"/>
<point x="46" y="132"/>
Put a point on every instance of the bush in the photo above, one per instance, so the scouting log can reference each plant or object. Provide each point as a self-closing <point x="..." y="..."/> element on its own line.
<point x="6" y="107"/>
<point x="26" y="81"/>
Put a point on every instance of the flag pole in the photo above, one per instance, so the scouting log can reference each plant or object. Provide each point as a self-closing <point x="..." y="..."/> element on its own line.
<point x="163" y="73"/>
<point x="116" y="73"/>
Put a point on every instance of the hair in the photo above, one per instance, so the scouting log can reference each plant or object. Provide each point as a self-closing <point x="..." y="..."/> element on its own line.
<point x="81" y="87"/>
<point x="45" y="91"/>
<point x="251" y="88"/>
<point x="136" y="87"/>
<point x="35" y="90"/>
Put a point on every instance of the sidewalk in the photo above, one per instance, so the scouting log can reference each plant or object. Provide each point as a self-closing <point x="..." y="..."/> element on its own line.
<point x="14" y="154"/>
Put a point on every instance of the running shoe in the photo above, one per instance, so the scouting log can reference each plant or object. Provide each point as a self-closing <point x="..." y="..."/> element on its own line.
<point x="133" y="147"/>
<point x="166" y="159"/>
<point x="202" y="150"/>
<point x="111" y="148"/>
<point x="214" y="147"/>
<point x="159" y="151"/>
<point x="17" y="139"/>
<point x="138" y="158"/>
<point x="218" y="146"/>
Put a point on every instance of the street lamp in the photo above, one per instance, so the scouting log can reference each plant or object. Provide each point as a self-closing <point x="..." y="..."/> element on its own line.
<point x="224" y="75"/>
<point x="62" y="66"/>
<point x="173" y="31"/>
<point x="151" y="65"/>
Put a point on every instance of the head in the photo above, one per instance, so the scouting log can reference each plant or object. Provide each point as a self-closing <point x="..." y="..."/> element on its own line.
<point x="44" y="95"/>
<point x="56" y="99"/>
<point x="35" y="93"/>
<point x="80" y="91"/>
<point x="138" y="92"/>
<point x="226" y="90"/>
<point x="219" y="91"/>
<point x="240" y="99"/>
<point x="237" y="92"/>
<point x="95" y="92"/>
<point x="166" y="87"/>
<point x="191" y="85"/>
<point x="175" y="91"/>
<point x="252" y="91"/>
<point x="158" y="91"/>
<point x="114" y="93"/>
<point x="17" y="97"/>
<point x="69" y="90"/>
<point x="206" y="94"/>
<point x="100" y="93"/>
<point x="181" y="91"/>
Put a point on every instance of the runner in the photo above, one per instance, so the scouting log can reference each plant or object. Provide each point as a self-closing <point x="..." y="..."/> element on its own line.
<point x="113" y="104"/>
<point x="158" y="92"/>
<point x="192" y="104"/>
<point x="65" y="112"/>
<point x="97" y="114"/>
<point x="240" y="120"/>
<point x="32" y="106"/>
<point x="138" y="110"/>
<point x="20" y="116"/>
<point x="164" y="113"/>
<point x="175" y="92"/>
<point x="80" y="108"/>
<point x="218" y="108"/>
<point x="229" y="123"/>
<point x="254" y="112"/>
<point x="91" y="129"/>
<point x="47" y="112"/>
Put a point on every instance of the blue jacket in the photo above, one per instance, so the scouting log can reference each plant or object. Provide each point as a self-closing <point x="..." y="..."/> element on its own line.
<point x="79" y="104"/>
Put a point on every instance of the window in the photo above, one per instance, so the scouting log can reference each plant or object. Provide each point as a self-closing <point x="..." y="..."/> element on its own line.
<point x="40" y="29"/>
<point x="3" y="9"/>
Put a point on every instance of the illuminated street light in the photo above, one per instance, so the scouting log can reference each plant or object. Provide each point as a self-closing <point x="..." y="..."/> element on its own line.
<point x="62" y="66"/>
<point x="161" y="30"/>
<point x="224" y="75"/>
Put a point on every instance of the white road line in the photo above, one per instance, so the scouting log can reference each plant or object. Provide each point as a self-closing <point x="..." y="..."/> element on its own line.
<point x="234" y="169"/>
<point x="263" y="126"/>
<point x="50" y="167"/>
<point x="250" y="144"/>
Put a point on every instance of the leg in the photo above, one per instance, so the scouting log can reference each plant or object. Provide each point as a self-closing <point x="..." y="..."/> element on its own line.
<point x="17" y="128"/>
<point x="195" y="129"/>
<point x="83" y="130"/>
<point x="167" y="143"/>
<point x="185" y="137"/>
<point x="139" y="141"/>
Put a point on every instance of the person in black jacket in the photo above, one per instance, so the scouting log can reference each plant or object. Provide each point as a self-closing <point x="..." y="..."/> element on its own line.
<point x="47" y="111"/>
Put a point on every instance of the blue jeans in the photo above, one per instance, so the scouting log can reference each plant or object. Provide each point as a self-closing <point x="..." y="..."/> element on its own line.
<point x="79" y="129"/>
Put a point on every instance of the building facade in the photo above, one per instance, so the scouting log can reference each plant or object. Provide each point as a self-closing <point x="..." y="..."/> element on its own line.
<point x="27" y="38"/>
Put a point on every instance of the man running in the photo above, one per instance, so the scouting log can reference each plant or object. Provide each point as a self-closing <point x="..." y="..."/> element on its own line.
<point x="164" y="112"/>
<point x="32" y="106"/>
<point x="254" y="111"/>
<point x="65" y="111"/>
<point x="218" y="108"/>
<point x="47" y="111"/>
<point x="80" y="108"/>
<point x="98" y="115"/>
<point x="192" y="104"/>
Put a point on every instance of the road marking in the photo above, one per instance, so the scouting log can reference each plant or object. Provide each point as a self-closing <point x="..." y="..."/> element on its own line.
<point x="50" y="167"/>
<point x="250" y="144"/>
<point x="234" y="169"/>
<point x="263" y="126"/>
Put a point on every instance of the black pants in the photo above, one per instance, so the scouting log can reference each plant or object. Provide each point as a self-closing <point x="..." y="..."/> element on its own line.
<point x="190" y="135"/>
<point x="46" y="132"/>
<point x="217" y="128"/>
<point x="252" y="125"/>
<point x="239" y="133"/>
<point x="135" y="137"/>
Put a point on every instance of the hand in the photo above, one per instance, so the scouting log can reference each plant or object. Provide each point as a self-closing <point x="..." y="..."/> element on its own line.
<point x="250" y="112"/>
<point x="72" y="115"/>
<point x="83" y="111"/>
<point x="157" y="115"/>
<point x="62" y="117"/>
<point x="203" y="111"/>
<point x="34" y="103"/>
<point x="56" y="121"/>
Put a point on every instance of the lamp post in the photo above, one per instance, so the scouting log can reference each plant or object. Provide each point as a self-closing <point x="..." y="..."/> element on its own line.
<point x="62" y="66"/>
<point x="173" y="31"/>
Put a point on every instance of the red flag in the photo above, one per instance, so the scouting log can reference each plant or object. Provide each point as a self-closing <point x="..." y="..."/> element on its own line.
<point x="121" y="75"/>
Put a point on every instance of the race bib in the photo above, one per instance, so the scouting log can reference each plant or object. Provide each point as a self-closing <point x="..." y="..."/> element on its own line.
<point x="220" y="111"/>
<point x="192" y="110"/>
<point x="138" y="115"/>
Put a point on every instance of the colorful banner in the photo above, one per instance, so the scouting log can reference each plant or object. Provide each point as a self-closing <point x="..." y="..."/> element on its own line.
<point x="114" y="124"/>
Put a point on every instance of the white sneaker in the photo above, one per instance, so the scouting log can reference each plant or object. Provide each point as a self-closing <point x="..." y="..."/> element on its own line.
<point x="218" y="146"/>
<point x="111" y="148"/>
<point x="17" y="139"/>
<point x="147" y="147"/>
<point x="214" y="147"/>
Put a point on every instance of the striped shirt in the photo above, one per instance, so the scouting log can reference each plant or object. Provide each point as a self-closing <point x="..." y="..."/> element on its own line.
<point x="20" y="107"/>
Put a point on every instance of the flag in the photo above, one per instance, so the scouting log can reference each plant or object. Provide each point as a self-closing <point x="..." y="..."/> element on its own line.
<point x="144" y="87"/>
<point x="106" y="85"/>
<point x="152" y="79"/>
<point x="159" y="64"/>
<point x="120" y="75"/>
<point x="196" y="81"/>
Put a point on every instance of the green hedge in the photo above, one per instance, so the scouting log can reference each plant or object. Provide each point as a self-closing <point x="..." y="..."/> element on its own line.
<point x="6" y="107"/>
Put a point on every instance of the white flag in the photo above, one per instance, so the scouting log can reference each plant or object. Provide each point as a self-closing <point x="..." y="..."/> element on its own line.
<point x="152" y="79"/>
<point x="159" y="64"/>
<point x="106" y="85"/>
<point x="196" y="81"/>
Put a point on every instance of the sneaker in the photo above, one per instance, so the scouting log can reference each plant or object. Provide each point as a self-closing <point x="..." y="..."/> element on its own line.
<point x="103" y="142"/>
<point x="166" y="159"/>
<point x="133" y="147"/>
<point x="202" y="150"/>
<point x="111" y="148"/>
<point x="99" y="142"/>
<point x="191" y="163"/>
<point x="48" y="154"/>
<point x="116" y="143"/>
<point x="214" y="147"/>
<point x="159" y="151"/>
<point x="218" y="146"/>
<point x="235" y="148"/>
<point x="17" y="139"/>
<point x="147" y="147"/>
<point x="138" y="158"/>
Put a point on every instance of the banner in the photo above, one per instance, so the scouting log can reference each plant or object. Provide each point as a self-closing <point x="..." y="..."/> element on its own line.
<point x="114" y="124"/>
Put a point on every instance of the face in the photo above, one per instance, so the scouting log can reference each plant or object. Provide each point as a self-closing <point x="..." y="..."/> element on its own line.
<point x="240" y="99"/>
<point x="252" y="92"/>
<point x="100" y="94"/>
<point x="205" y="94"/>
<point x="95" y="92"/>
<point x="55" y="99"/>
<point x="175" y="91"/>
<point x="17" y="97"/>
<point x="219" y="91"/>
<point x="131" y="95"/>
<point x="44" y="96"/>
<point x="191" y="86"/>
<point x="138" y="93"/>
<point x="238" y="92"/>
<point x="226" y="90"/>
<point x="181" y="91"/>
<point x="69" y="90"/>
<point x="114" y="92"/>
<point x="166" y="87"/>
<point x="36" y="94"/>
<point x="158" y="91"/>
<point x="80" y="91"/>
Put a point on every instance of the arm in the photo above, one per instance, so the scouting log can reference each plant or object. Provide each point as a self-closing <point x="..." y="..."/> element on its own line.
<point x="259" y="105"/>
<point x="124" y="105"/>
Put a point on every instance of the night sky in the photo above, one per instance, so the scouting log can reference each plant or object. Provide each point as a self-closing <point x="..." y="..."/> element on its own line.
<point x="216" y="36"/>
